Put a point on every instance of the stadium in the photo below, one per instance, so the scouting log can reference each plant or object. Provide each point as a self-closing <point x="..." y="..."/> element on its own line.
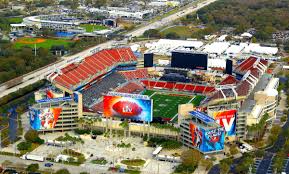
<point x="112" y="74"/>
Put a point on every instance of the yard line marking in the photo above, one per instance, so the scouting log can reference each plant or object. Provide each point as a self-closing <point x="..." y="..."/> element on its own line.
<point x="192" y="99"/>
<point x="153" y="94"/>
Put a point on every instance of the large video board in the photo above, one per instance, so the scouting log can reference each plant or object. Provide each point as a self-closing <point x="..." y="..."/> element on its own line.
<point x="127" y="107"/>
<point x="209" y="140"/>
<point x="227" y="119"/>
<point x="44" y="118"/>
<point x="189" y="60"/>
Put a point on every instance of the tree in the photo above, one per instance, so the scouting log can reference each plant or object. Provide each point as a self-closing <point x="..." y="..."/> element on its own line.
<point x="24" y="146"/>
<point x="233" y="150"/>
<point x="99" y="3"/>
<point x="31" y="135"/>
<point x="88" y="2"/>
<point x="225" y="165"/>
<point x="259" y="153"/>
<point x="206" y="163"/>
<point x="254" y="40"/>
<point x="245" y="163"/>
<point x="152" y="33"/>
<point x="191" y="157"/>
<point x="62" y="171"/>
<point x="286" y="46"/>
<point x="33" y="167"/>
<point x="276" y="129"/>
<point x="172" y="35"/>
<point x="74" y="4"/>
<point x="125" y="126"/>
<point x="224" y="168"/>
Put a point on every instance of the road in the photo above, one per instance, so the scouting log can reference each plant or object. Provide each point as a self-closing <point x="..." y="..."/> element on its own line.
<point x="41" y="73"/>
<point x="56" y="166"/>
<point x="167" y="20"/>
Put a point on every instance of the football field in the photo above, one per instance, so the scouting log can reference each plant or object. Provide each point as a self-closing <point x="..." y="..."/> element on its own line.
<point x="165" y="105"/>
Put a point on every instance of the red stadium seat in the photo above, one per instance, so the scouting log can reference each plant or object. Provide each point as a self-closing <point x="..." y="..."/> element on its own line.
<point x="180" y="86"/>
<point x="199" y="89"/>
<point x="170" y="85"/>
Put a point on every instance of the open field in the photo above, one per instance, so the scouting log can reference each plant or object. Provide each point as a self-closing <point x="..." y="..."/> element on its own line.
<point x="182" y="31"/>
<point x="15" y="20"/>
<point x="165" y="105"/>
<point x="41" y="42"/>
<point x="90" y="28"/>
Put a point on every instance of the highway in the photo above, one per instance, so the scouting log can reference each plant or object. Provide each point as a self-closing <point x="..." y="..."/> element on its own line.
<point x="32" y="77"/>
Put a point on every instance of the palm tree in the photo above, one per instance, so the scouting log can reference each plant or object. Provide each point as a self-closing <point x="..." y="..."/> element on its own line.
<point x="124" y="125"/>
<point x="81" y="121"/>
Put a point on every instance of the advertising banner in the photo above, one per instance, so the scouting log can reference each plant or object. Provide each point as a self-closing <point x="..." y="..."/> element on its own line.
<point x="227" y="119"/>
<point x="197" y="136"/>
<point x="213" y="140"/>
<point x="44" y="118"/>
<point x="207" y="140"/>
<point x="128" y="108"/>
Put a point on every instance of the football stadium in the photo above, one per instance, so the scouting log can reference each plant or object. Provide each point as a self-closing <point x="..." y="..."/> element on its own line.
<point x="110" y="85"/>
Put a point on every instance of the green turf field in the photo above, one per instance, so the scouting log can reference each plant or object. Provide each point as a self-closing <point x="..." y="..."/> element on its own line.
<point x="90" y="28"/>
<point x="197" y="100"/>
<point x="44" y="43"/>
<point x="165" y="105"/>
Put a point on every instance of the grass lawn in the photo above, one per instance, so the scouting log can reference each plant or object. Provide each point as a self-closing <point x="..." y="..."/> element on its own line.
<point x="15" y="20"/>
<point x="134" y="162"/>
<point x="90" y="28"/>
<point x="166" y="105"/>
<point x="182" y="31"/>
<point x="44" y="43"/>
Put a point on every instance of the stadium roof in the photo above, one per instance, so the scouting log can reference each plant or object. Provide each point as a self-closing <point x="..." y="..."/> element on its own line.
<point x="76" y="75"/>
<point x="251" y="64"/>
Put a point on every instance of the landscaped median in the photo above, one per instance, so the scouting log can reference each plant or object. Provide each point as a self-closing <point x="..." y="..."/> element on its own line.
<point x="132" y="165"/>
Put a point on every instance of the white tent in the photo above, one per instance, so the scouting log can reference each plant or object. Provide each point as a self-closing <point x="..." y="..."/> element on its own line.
<point x="216" y="47"/>
<point x="256" y="48"/>
<point x="166" y="46"/>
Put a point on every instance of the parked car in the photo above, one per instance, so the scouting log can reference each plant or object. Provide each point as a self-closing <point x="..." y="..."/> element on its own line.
<point x="48" y="164"/>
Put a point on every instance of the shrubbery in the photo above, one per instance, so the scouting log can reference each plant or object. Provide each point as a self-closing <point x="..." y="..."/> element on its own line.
<point x="82" y="131"/>
<point x="165" y="143"/>
<point x="24" y="145"/>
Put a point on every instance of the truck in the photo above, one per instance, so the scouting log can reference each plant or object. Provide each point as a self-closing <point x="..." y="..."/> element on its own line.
<point x="33" y="157"/>
<point x="157" y="151"/>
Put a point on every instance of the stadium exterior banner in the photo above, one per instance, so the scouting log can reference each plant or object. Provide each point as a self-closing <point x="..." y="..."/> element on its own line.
<point x="133" y="108"/>
<point x="227" y="119"/>
<point x="54" y="100"/>
<point x="202" y="116"/>
<point x="41" y="119"/>
<point x="207" y="140"/>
